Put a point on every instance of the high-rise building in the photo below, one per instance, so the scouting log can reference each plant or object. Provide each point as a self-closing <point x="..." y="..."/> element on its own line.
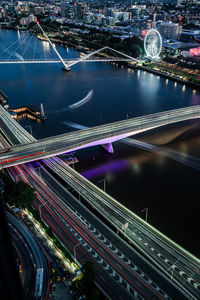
<point x="63" y="5"/>
<point x="169" y="30"/>
<point x="153" y="26"/>
<point x="79" y="10"/>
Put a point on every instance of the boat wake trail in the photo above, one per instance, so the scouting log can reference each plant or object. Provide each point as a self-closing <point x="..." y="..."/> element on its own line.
<point x="81" y="102"/>
<point x="87" y="98"/>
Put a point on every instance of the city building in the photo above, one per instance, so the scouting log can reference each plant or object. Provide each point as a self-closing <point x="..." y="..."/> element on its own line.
<point x="169" y="30"/>
<point x="27" y="20"/>
<point x="190" y="36"/>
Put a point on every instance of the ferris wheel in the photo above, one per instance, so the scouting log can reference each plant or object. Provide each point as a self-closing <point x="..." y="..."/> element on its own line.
<point x="152" y="44"/>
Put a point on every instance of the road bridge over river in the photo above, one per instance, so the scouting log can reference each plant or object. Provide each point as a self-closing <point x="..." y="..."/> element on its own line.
<point x="98" y="135"/>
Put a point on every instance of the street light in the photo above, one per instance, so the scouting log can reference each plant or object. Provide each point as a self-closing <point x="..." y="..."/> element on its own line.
<point x="75" y="250"/>
<point x="172" y="267"/>
<point x="146" y="214"/>
<point x="40" y="209"/>
<point x="104" y="184"/>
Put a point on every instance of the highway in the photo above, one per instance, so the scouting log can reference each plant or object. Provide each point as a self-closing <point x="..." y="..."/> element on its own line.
<point x="120" y="269"/>
<point x="31" y="253"/>
<point x="156" y="247"/>
<point x="102" y="134"/>
<point x="150" y="241"/>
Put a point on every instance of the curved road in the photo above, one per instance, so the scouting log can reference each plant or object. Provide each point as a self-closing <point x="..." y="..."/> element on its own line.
<point x="30" y="253"/>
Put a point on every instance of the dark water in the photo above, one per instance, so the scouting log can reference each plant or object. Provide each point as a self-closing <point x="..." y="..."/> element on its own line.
<point x="136" y="178"/>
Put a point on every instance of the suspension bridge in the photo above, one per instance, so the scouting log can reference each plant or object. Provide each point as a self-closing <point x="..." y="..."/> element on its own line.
<point x="104" y="54"/>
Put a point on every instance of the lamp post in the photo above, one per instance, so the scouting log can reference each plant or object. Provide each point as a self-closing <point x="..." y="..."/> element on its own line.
<point x="104" y="184"/>
<point x="146" y="214"/>
<point x="75" y="250"/>
<point x="172" y="267"/>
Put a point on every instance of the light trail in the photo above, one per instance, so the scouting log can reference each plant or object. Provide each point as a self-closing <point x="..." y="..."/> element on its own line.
<point x="75" y="180"/>
<point x="68" y="216"/>
<point x="98" y="135"/>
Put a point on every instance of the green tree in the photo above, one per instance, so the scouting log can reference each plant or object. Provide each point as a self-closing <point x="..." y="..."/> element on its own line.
<point x="17" y="193"/>
<point x="86" y="284"/>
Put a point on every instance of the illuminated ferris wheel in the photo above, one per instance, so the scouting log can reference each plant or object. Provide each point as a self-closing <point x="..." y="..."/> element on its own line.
<point x="152" y="44"/>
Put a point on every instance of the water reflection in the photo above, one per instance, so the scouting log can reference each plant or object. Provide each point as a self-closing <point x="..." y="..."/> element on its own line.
<point x="148" y="88"/>
<point x="46" y="46"/>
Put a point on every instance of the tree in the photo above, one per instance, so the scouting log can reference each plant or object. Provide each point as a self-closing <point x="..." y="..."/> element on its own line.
<point x="86" y="284"/>
<point x="17" y="193"/>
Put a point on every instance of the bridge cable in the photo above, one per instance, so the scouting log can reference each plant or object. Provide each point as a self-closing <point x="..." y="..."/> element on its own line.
<point x="26" y="46"/>
<point x="13" y="44"/>
<point x="34" y="48"/>
<point x="13" y="52"/>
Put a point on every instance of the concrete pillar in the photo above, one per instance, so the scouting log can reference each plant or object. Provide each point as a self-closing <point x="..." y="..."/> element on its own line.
<point x="108" y="147"/>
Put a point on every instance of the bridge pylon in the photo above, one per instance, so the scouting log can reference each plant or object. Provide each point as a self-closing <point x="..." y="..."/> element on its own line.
<point x="65" y="67"/>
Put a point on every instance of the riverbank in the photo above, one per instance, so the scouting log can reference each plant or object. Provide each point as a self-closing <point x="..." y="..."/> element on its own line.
<point x="64" y="43"/>
<point x="165" y="74"/>
<point x="169" y="76"/>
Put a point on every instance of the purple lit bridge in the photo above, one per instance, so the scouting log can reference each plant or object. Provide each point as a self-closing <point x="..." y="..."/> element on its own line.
<point x="98" y="135"/>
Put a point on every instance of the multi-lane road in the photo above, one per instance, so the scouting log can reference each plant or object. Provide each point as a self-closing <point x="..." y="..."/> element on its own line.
<point x="31" y="259"/>
<point x="102" y="134"/>
<point x="120" y="269"/>
<point x="160" y="250"/>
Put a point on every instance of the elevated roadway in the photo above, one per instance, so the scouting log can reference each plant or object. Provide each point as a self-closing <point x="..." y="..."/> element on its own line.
<point x="121" y="272"/>
<point x="103" y="134"/>
<point x="163" y="252"/>
<point x="174" y="261"/>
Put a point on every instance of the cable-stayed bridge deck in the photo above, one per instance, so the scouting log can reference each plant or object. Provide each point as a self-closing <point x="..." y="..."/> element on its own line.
<point x="57" y="61"/>
<point x="23" y="47"/>
<point x="103" y="134"/>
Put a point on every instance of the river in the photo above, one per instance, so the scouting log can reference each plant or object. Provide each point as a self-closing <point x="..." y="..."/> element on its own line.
<point x="136" y="178"/>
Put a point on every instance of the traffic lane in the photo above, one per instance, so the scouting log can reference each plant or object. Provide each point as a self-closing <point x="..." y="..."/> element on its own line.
<point x="107" y="129"/>
<point x="69" y="221"/>
<point x="110" y="236"/>
<point x="7" y="132"/>
<point x="65" y="235"/>
<point x="107" y="250"/>
<point x="139" y="232"/>
<point x="27" y="274"/>
<point x="40" y="261"/>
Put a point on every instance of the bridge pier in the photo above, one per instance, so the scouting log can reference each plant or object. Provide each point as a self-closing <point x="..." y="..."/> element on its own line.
<point x="108" y="147"/>
<point x="66" y="69"/>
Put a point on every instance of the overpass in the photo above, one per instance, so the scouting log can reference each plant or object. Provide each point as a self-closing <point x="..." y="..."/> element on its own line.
<point x="169" y="257"/>
<point x="98" y="135"/>
<point x="119" y="268"/>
